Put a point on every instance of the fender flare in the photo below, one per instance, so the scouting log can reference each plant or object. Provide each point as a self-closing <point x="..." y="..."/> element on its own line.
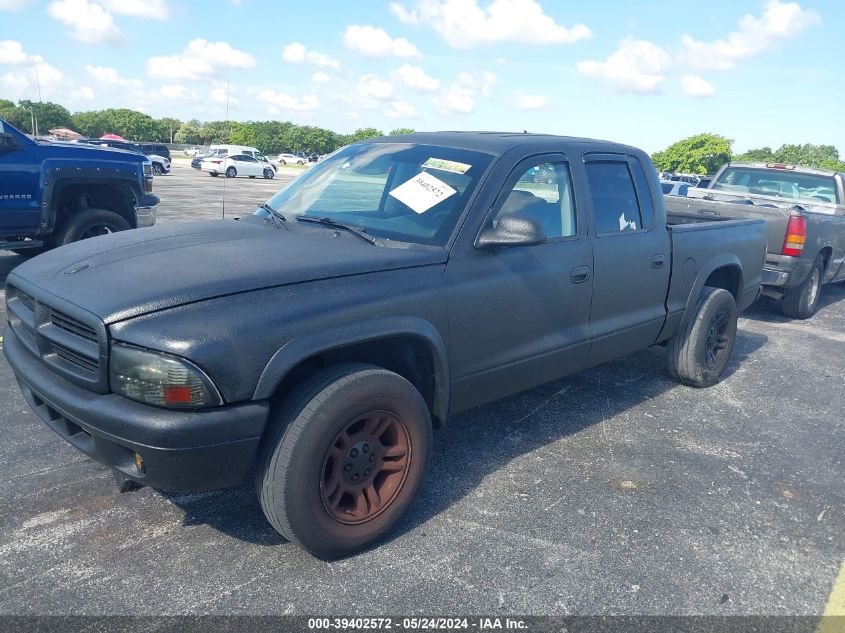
<point x="57" y="177"/>
<point x="302" y="347"/>
<point x="724" y="260"/>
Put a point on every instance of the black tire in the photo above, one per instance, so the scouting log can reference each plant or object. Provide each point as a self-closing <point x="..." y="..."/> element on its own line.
<point x="213" y="174"/>
<point x="89" y="223"/>
<point x="231" y="172"/>
<point x="297" y="455"/>
<point x="252" y="176"/>
<point x="158" y="170"/>
<point x="281" y="162"/>
<point x="269" y="173"/>
<point x="699" y="353"/>
<point x="802" y="301"/>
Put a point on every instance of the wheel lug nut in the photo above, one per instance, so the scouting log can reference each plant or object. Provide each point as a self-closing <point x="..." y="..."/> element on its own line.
<point x="366" y="448"/>
<point x="355" y="477"/>
<point x="366" y="472"/>
<point x="372" y="458"/>
<point x="353" y="452"/>
<point x="347" y="468"/>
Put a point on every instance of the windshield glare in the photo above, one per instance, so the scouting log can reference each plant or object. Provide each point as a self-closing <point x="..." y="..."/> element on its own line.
<point x="396" y="191"/>
<point x="778" y="183"/>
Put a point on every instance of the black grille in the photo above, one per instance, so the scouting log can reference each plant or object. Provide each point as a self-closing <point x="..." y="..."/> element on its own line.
<point x="75" y="359"/>
<point x="72" y="344"/>
<point x="68" y="324"/>
<point x="25" y="299"/>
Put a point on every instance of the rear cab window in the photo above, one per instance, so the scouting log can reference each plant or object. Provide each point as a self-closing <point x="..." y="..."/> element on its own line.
<point x="779" y="183"/>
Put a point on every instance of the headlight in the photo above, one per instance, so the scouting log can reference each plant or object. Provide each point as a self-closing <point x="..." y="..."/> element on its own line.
<point x="160" y="379"/>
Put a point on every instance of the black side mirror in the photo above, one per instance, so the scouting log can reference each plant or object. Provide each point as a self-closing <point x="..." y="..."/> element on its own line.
<point x="512" y="230"/>
<point x="7" y="141"/>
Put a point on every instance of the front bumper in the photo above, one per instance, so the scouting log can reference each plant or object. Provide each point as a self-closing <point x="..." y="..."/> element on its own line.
<point x="182" y="450"/>
<point x="147" y="210"/>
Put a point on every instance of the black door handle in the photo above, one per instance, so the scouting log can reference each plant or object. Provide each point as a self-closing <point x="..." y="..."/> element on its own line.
<point x="657" y="261"/>
<point x="579" y="274"/>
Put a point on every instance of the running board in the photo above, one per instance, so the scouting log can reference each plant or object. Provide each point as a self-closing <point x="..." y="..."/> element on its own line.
<point x="20" y="245"/>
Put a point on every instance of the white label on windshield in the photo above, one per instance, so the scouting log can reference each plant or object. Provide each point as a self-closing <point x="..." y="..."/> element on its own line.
<point x="422" y="192"/>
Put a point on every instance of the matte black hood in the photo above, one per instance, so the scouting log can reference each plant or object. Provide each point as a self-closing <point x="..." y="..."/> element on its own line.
<point x="139" y="271"/>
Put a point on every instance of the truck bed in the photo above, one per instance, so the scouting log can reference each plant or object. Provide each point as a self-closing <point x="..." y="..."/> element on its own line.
<point x="696" y="239"/>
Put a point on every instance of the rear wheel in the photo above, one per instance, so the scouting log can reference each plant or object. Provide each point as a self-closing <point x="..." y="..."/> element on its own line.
<point x="346" y="458"/>
<point x="699" y="353"/>
<point x="231" y="172"/>
<point x="802" y="301"/>
<point x="89" y="223"/>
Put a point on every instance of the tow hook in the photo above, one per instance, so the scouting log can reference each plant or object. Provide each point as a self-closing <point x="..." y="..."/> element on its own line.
<point x="124" y="484"/>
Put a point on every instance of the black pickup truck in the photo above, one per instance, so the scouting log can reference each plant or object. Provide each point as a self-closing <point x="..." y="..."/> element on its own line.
<point x="397" y="282"/>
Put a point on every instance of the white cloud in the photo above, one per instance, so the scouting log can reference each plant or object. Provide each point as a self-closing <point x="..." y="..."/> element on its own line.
<point x="375" y="88"/>
<point x="12" y="53"/>
<point x="320" y="78"/>
<point x="696" y="86"/>
<point x="780" y="21"/>
<point x="200" y="58"/>
<point x="218" y="95"/>
<point x="22" y="84"/>
<point x="13" y="5"/>
<point x="415" y="77"/>
<point x="279" y="102"/>
<point x="111" y="77"/>
<point x="371" y="41"/>
<point x="465" y="24"/>
<point x="296" y="53"/>
<point x="458" y="98"/>
<point x="149" y="9"/>
<point x="637" y="66"/>
<point x="177" y="91"/>
<point x="89" y="22"/>
<point x="488" y="81"/>
<point x="531" y="102"/>
<point x="401" y="110"/>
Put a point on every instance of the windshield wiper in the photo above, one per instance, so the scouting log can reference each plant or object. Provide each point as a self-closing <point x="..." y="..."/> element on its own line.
<point x="277" y="218"/>
<point x="358" y="231"/>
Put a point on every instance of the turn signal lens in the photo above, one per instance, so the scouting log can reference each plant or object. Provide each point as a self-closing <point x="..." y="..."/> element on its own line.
<point x="160" y="379"/>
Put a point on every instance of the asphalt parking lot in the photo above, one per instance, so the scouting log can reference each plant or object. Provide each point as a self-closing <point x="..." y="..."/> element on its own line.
<point x="614" y="491"/>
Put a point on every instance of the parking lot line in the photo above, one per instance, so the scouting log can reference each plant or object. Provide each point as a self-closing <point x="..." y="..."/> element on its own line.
<point x="835" y="606"/>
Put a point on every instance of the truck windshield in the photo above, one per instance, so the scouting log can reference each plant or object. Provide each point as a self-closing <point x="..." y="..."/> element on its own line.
<point x="395" y="191"/>
<point x="780" y="183"/>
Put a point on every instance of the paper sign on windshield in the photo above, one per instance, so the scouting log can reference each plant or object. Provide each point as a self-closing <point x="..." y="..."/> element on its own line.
<point x="422" y="192"/>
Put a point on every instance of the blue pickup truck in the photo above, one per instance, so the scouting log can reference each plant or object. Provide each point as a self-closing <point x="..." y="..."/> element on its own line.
<point x="56" y="193"/>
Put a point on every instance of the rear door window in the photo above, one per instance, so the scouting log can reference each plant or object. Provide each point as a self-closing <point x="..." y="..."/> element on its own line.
<point x="616" y="208"/>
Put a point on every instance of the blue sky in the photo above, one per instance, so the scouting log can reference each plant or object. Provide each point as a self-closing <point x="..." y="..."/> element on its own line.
<point x="762" y="72"/>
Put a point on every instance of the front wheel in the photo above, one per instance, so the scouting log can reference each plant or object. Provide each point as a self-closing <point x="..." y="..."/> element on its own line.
<point x="231" y="172"/>
<point x="269" y="173"/>
<point x="345" y="459"/>
<point x="802" y="301"/>
<point x="700" y="351"/>
<point x="89" y="223"/>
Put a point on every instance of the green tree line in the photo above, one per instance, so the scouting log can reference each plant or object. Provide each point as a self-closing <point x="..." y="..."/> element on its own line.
<point x="699" y="154"/>
<point x="706" y="153"/>
<point x="270" y="137"/>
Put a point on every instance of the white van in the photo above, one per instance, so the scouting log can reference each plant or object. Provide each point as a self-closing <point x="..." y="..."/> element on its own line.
<point x="233" y="150"/>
